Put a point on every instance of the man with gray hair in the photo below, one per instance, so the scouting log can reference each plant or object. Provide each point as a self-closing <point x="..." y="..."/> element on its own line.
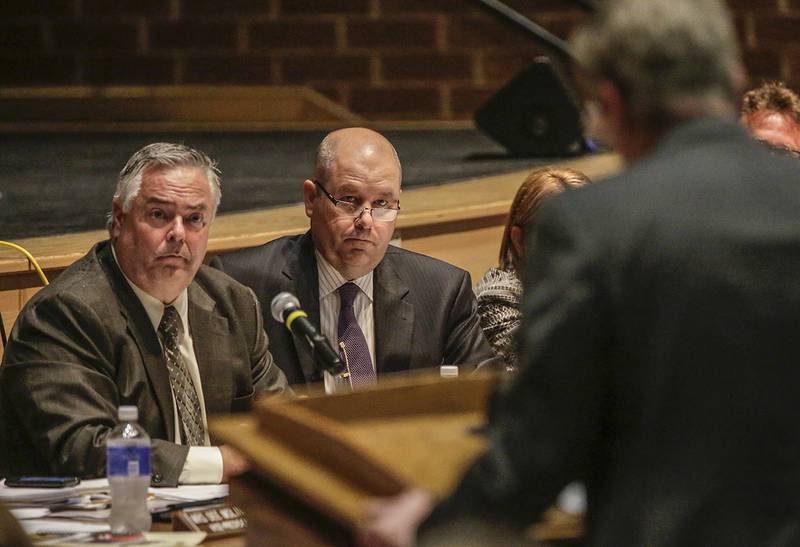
<point x="658" y="347"/>
<point x="137" y="321"/>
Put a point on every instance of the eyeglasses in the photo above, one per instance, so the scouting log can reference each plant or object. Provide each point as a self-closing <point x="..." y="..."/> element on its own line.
<point x="350" y="208"/>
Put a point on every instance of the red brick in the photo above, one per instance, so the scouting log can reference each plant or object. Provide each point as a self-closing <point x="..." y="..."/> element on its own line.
<point x="95" y="36"/>
<point x="487" y="33"/>
<point x="193" y="35"/>
<point x="151" y="8"/>
<point x="740" y="24"/>
<point x="315" y="7"/>
<point x="777" y="31"/>
<point x="762" y="64"/>
<point x="21" y="36"/>
<point x="228" y="7"/>
<point x="393" y="103"/>
<point x="538" y="6"/>
<point x="424" y="6"/>
<point x="293" y="34"/>
<point x="758" y="5"/>
<point x="22" y="8"/>
<point x="793" y="5"/>
<point x="501" y="67"/>
<point x="794" y="72"/>
<point x="309" y="68"/>
<point x="464" y="101"/>
<point x="426" y="66"/>
<point x="418" y="32"/>
<point x="37" y="70"/>
<point x="793" y="84"/>
<point x="223" y="69"/>
<point x="562" y="25"/>
<point x="129" y="70"/>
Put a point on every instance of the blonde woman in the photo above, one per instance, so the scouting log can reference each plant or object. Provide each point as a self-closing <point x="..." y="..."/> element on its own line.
<point x="500" y="290"/>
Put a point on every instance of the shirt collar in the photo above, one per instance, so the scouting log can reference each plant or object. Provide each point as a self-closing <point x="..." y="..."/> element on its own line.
<point x="330" y="279"/>
<point x="153" y="306"/>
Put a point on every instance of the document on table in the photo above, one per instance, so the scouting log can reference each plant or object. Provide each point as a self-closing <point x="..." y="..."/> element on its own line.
<point x="33" y="496"/>
<point x="83" y="509"/>
<point x="11" y="496"/>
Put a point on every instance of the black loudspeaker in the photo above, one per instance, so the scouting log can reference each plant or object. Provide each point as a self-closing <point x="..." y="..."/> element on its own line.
<point x="535" y="114"/>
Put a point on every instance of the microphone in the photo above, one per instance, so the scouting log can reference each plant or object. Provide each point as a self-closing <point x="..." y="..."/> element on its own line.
<point x="285" y="309"/>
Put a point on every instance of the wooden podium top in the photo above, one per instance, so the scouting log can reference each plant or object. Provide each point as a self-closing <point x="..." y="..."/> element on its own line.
<point x="334" y="453"/>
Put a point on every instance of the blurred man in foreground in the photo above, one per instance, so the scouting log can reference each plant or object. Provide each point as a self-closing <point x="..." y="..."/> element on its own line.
<point x="137" y="321"/>
<point x="771" y="112"/>
<point x="658" y="346"/>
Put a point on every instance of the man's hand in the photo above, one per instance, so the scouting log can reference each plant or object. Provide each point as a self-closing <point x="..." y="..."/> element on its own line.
<point x="393" y="522"/>
<point x="233" y="463"/>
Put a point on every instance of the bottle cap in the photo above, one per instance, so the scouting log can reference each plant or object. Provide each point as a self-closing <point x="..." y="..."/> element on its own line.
<point x="128" y="413"/>
<point x="448" y="371"/>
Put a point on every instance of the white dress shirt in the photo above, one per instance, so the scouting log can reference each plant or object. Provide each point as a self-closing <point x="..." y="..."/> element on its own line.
<point x="329" y="303"/>
<point x="203" y="463"/>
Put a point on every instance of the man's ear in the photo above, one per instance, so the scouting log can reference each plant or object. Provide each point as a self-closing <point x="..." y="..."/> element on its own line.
<point x="309" y="196"/>
<point x="116" y="219"/>
<point x="612" y="105"/>
<point x="619" y="128"/>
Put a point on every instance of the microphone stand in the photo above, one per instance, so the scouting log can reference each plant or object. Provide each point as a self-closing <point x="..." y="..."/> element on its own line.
<point x="531" y="29"/>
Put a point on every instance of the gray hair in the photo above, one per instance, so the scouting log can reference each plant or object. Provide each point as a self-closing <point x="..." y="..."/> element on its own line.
<point x="326" y="155"/>
<point x="162" y="154"/>
<point x="668" y="58"/>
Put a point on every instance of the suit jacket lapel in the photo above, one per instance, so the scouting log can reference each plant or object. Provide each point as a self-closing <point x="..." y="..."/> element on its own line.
<point x="394" y="319"/>
<point x="210" y="336"/>
<point x="301" y="270"/>
<point x="141" y="330"/>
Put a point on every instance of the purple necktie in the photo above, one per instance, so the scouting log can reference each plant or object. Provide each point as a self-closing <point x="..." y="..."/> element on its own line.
<point x="353" y="347"/>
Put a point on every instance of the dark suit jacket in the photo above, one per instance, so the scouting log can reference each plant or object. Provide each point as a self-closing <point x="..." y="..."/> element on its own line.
<point x="424" y="309"/>
<point x="660" y="354"/>
<point x="84" y="345"/>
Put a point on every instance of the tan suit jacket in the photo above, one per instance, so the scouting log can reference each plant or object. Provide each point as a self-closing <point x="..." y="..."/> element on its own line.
<point x="83" y="346"/>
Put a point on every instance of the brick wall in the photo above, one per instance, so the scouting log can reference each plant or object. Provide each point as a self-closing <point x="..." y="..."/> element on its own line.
<point x="384" y="59"/>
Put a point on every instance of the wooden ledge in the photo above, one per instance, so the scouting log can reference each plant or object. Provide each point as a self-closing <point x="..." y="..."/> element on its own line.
<point x="169" y="108"/>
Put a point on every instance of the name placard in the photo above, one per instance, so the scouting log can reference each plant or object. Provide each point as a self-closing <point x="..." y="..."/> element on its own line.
<point x="220" y="520"/>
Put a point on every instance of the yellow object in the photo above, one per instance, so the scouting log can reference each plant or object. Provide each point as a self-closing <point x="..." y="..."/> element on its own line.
<point x="294" y="315"/>
<point x="30" y="258"/>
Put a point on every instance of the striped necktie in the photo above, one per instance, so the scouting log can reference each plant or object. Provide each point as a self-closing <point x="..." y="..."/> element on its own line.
<point x="190" y="415"/>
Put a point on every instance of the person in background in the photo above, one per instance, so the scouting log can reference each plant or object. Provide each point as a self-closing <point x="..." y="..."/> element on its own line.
<point x="385" y="308"/>
<point x="771" y="112"/>
<point x="500" y="290"/>
<point x="138" y="321"/>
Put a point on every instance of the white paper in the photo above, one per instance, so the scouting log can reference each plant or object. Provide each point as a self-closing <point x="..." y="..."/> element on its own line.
<point x="62" y="526"/>
<point x="191" y="492"/>
<point x="151" y="539"/>
<point x="29" y="512"/>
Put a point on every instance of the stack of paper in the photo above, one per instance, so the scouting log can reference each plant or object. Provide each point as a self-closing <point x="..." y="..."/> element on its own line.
<point x="84" y="509"/>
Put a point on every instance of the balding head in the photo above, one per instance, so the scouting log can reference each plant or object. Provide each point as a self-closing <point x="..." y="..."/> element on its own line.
<point x="357" y="172"/>
<point x="352" y="142"/>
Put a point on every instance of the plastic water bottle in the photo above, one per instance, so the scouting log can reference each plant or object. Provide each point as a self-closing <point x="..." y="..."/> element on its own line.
<point x="128" y="471"/>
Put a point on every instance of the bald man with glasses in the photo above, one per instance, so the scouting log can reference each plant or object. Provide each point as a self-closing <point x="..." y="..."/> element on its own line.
<point x="382" y="308"/>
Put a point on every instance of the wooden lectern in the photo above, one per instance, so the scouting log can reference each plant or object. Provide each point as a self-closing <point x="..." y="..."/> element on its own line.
<point x="317" y="460"/>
